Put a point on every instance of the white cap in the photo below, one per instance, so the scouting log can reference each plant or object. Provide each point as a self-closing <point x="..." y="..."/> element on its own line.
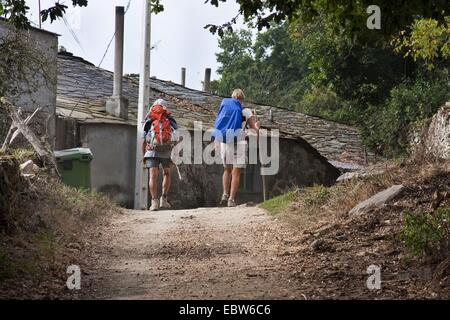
<point x="160" y="102"/>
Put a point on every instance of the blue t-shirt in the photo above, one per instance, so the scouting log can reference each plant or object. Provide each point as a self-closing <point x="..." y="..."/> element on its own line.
<point x="228" y="118"/>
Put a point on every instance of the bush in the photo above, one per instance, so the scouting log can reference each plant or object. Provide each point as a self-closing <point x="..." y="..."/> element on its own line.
<point x="323" y="102"/>
<point x="427" y="233"/>
<point x="387" y="126"/>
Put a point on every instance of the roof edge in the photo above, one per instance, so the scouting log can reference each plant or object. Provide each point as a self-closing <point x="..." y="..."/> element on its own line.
<point x="32" y="28"/>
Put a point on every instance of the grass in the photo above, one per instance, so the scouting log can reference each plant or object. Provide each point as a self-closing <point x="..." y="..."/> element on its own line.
<point x="23" y="155"/>
<point x="307" y="207"/>
<point x="279" y="204"/>
<point x="47" y="217"/>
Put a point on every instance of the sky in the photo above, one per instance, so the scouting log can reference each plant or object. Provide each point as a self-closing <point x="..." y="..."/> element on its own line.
<point x="178" y="34"/>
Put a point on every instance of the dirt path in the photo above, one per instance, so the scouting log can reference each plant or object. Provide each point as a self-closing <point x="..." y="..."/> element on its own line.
<point x="214" y="253"/>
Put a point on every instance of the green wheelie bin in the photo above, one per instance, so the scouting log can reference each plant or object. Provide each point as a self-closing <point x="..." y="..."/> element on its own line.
<point x="74" y="165"/>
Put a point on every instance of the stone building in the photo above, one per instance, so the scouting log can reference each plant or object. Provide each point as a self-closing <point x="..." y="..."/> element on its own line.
<point x="37" y="87"/>
<point x="311" y="148"/>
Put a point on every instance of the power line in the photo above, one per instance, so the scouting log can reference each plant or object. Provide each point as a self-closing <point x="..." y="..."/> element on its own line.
<point x="72" y="32"/>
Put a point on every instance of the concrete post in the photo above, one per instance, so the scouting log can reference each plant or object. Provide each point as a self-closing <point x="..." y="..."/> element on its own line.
<point x="183" y="77"/>
<point x="141" y="178"/>
<point x="118" y="57"/>
<point x="207" y="82"/>
<point x="117" y="105"/>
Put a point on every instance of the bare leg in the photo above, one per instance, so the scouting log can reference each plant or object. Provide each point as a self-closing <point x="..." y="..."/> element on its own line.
<point x="226" y="180"/>
<point x="166" y="182"/>
<point x="154" y="182"/>
<point x="236" y="176"/>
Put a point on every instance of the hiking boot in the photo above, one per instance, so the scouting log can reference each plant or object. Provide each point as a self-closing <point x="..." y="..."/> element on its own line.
<point x="231" y="203"/>
<point x="223" y="201"/>
<point x="164" y="204"/>
<point x="155" y="205"/>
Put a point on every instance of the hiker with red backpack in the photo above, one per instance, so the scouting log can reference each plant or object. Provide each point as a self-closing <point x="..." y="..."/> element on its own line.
<point x="232" y="143"/>
<point x="158" y="141"/>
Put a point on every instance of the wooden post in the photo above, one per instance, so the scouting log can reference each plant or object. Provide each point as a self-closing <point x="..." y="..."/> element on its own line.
<point x="262" y="176"/>
<point x="141" y="185"/>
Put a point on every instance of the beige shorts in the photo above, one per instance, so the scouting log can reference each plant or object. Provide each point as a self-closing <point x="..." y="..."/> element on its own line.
<point x="234" y="155"/>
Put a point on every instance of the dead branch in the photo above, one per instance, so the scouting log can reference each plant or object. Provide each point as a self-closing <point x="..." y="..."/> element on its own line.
<point x="22" y="127"/>
<point x="27" y="121"/>
<point x="6" y="143"/>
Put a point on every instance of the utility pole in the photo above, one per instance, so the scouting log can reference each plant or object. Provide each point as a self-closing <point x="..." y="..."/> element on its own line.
<point x="39" y="15"/>
<point x="141" y="180"/>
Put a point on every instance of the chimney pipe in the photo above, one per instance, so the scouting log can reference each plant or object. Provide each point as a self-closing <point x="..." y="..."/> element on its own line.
<point x="183" y="77"/>
<point x="118" y="56"/>
<point x="271" y="115"/>
<point x="117" y="105"/>
<point x="207" y="82"/>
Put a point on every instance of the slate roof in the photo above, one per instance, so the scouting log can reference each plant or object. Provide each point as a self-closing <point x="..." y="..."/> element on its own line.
<point x="83" y="89"/>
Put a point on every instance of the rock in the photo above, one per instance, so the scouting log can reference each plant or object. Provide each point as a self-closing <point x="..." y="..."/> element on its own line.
<point x="317" y="245"/>
<point x="323" y="230"/>
<point x="377" y="200"/>
<point x="360" y="174"/>
<point x="29" y="167"/>
<point x="347" y="176"/>
<point x="434" y="139"/>
<point x="74" y="246"/>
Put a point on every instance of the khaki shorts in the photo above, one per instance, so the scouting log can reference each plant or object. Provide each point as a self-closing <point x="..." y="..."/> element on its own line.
<point x="234" y="154"/>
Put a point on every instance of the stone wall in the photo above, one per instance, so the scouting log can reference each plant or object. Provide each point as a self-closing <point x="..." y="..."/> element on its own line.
<point x="112" y="169"/>
<point x="434" y="138"/>
<point x="38" y="85"/>
<point x="300" y="165"/>
<point x="437" y="141"/>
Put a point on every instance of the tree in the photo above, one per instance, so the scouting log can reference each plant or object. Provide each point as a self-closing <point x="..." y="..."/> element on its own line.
<point x="15" y="11"/>
<point x="272" y="68"/>
<point x="290" y="62"/>
<point x="310" y="69"/>
<point x="426" y="41"/>
<point x="345" y="16"/>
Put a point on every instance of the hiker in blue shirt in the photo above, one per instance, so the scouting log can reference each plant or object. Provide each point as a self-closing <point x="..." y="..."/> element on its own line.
<point x="233" y="145"/>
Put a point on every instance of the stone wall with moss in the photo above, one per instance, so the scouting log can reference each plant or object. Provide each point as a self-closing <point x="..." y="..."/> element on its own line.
<point x="28" y="76"/>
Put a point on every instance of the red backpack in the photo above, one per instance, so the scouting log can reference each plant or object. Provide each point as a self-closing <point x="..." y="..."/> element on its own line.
<point x="161" y="131"/>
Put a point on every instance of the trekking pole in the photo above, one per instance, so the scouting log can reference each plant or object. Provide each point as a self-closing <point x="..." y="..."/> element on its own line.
<point x="179" y="173"/>
<point x="178" y="169"/>
<point x="262" y="176"/>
